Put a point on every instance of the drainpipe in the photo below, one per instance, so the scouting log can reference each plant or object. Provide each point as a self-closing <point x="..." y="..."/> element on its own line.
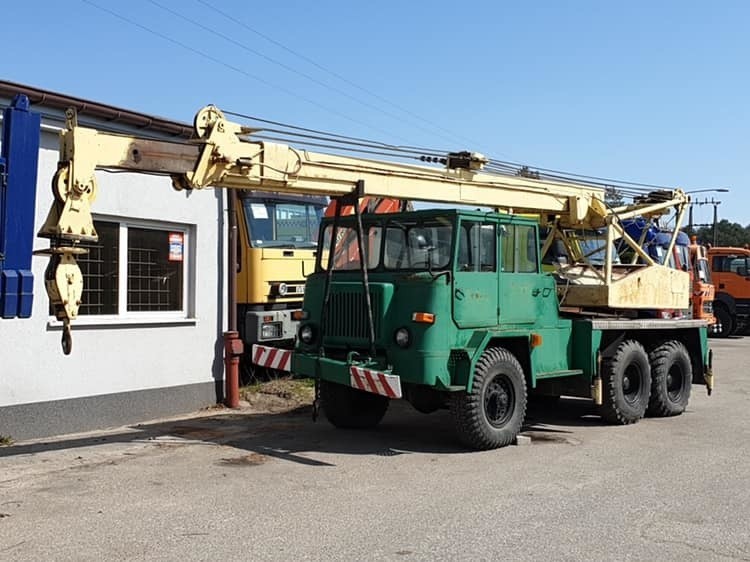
<point x="232" y="343"/>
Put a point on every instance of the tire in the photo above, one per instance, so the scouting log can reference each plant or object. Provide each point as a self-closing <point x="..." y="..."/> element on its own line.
<point x="349" y="408"/>
<point x="671" y="379"/>
<point x="491" y="413"/>
<point x="726" y="320"/>
<point x="626" y="381"/>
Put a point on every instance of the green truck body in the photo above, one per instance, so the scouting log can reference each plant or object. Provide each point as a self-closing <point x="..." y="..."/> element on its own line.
<point x="461" y="310"/>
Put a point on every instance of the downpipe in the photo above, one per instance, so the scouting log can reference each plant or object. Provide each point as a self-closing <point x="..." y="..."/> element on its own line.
<point x="233" y="346"/>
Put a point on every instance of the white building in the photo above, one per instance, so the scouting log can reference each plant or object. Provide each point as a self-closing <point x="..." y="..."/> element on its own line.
<point x="148" y="342"/>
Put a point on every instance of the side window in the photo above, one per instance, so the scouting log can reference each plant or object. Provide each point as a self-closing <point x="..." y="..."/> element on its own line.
<point x="520" y="249"/>
<point x="477" y="247"/>
<point x="718" y="263"/>
<point x="509" y="248"/>
<point x="527" y="250"/>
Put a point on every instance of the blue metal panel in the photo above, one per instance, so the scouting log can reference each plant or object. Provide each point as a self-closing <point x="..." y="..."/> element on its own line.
<point x="19" y="155"/>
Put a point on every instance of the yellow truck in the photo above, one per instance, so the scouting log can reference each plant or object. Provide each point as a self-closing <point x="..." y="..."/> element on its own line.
<point x="276" y="249"/>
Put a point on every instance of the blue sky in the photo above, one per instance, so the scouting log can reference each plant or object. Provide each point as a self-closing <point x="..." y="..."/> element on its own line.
<point x="647" y="91"/>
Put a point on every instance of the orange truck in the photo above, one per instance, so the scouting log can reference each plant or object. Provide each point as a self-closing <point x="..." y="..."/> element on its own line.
<point x="729" y="272"/>
<point x="690" y="256"/>
<point x="704" y="294"/>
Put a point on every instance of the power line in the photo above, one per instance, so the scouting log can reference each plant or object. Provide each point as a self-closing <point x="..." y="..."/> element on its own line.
<point x="334" y="74"/>
<point x="231" y="67"/>
<point x="280" y="64"/>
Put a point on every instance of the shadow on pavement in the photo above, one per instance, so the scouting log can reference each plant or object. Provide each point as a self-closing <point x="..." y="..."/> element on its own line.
<point x="290" y="435"/>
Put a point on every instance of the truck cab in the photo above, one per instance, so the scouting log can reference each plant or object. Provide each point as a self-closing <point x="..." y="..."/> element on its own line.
<point x="729" y="271"/>
<point x="278" y="239"/>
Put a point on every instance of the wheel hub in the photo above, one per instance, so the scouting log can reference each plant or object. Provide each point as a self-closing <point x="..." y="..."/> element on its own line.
<point x="499" y="401"/>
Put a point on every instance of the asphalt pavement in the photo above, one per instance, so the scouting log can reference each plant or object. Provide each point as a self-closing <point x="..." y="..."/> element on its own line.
<point x="233" y="485"/>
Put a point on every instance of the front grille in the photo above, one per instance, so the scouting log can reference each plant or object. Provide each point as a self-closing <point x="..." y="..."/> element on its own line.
<point x="347" y="315"/>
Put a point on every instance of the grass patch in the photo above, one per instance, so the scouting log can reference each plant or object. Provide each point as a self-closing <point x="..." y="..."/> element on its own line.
<point x="6" y="440"/>
<point x="296" y="390"/>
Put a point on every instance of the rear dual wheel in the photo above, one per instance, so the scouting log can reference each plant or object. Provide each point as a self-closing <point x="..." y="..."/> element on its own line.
<point x="626" y="380"/>
<point x="671" y="379"/>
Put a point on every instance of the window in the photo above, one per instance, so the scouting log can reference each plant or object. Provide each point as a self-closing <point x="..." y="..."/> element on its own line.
<point x="280" y="224"/>
<point x="135" y="268"/>
<point x="418" y="246"/>
<point x="100" y="272"/>
<point x="731" y="264"/>
<point x="346" y="255"/>
<point x="520" y="249"/>
<point x="477" y="247"/>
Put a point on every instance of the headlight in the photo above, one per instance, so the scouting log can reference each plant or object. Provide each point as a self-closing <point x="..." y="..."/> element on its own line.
<point x="402" y="337"/>
<point x="307" y="334"/>
<point x="271" y="330"/>
<point x="283" y="289"/>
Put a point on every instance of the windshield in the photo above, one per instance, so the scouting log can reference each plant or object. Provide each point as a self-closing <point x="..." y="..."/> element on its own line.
<point x="401" y="245"/>
<point x="346" y="256"/>
<point x="282" y="224"/>
<point x="425" y="245"/>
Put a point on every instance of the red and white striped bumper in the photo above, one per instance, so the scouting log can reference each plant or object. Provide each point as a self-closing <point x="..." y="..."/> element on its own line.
<point x="272" y="357"/>
<point x="375" y="382"/>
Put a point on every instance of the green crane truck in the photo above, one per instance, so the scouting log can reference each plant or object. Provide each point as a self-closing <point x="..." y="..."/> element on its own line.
<point x="440" y="307"/>
<point x="461" y="315"/>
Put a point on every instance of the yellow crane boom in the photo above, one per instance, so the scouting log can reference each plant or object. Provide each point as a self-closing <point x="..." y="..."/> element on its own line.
<point x="223" y="154"/>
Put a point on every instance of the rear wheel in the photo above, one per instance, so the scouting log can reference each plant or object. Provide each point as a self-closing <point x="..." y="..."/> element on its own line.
<point x="490" y="414"/>
<point x="626" y="378"/>
<point x="349" y="408"/>
<point x="671" y="379"/>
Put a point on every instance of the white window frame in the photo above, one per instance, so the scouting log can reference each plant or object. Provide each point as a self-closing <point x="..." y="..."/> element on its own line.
<point x="184" y="316"/>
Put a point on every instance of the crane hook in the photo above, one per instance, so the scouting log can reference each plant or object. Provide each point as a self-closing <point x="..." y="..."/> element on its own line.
<point x="67" y="339"/>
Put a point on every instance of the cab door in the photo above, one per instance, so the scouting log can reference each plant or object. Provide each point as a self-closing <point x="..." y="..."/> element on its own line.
<point x="475" y="282"/>
<point x="526" y="296"/>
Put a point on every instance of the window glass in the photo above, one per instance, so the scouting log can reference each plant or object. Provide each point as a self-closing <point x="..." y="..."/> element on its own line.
<point x="100" y="271"/>
<point x="508" y="241"/>
<point x="282" y="224"/>
<point x="520" y="249"/>
<point x="346" y="255"/>
<point x="151" y="280"/>
<point x="154" y="271"/>
<point x="527" y="249"/>
<point x="418" y="246"/>
<point x="738" y="266"/>
<point x="477" y="249"/>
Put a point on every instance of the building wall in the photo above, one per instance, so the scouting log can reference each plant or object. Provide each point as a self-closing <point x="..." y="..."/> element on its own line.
<point x="128" y="369"/>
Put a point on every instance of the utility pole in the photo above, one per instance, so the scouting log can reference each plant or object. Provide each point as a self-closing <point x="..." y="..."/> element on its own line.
<point x="716" y="219"/>
<point x="715" y="229"/>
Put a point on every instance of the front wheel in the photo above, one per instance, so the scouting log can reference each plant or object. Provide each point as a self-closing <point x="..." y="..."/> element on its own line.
<point x="348" y="408"/>
<point x="671" y="379"/>
<point x="490" y="414"/>
<point x="726" y="320"/>
<point x="626" y="378"/>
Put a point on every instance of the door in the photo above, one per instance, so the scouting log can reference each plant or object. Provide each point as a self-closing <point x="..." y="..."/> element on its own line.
<point x="475" y="283"/>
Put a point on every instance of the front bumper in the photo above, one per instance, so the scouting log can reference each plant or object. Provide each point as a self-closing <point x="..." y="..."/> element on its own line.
<point x="362" y="375"/>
